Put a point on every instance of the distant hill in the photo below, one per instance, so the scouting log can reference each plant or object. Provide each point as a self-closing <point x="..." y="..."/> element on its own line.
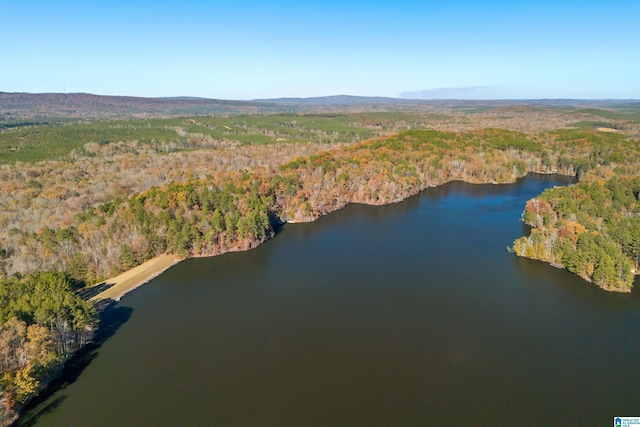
<point x="30" y="106"/>
<point x="26" y="108"/>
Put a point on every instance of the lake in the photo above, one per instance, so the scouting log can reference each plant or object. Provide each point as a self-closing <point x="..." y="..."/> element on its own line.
<point x="411" y="314"/>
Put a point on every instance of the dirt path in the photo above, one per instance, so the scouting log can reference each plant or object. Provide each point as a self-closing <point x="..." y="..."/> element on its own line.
<point x="116" y="287"/>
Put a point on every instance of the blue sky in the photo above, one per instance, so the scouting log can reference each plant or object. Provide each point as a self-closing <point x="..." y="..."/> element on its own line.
<point x="252" y="49"/>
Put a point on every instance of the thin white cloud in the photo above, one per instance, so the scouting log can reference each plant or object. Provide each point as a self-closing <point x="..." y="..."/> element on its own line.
<point x="445" y="93"/>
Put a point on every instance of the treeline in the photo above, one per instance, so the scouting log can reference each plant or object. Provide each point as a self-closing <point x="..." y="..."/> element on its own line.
<point x="42" y="323"/>
<point x="592" y="229"/>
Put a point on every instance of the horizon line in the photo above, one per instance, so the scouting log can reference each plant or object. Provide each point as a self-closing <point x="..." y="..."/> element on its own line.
<point x="319" y="97"/>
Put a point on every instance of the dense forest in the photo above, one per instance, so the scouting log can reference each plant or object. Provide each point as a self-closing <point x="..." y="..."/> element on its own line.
<point x="105" y="207"/>
<point x="44" y="322"/>
<point x="73" y="140"/>
<point x="592" y="229"/>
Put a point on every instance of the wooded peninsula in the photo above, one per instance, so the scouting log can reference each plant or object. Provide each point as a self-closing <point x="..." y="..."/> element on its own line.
<point x="84" y="199"/>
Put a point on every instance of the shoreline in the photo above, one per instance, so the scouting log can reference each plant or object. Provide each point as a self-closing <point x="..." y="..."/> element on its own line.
<point x="122" y="284"/>
<point x="129" y="280"/>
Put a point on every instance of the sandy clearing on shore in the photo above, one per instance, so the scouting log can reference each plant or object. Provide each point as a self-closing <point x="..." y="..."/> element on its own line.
<point x="137" y="276"/>
<point x="607" y="130"/>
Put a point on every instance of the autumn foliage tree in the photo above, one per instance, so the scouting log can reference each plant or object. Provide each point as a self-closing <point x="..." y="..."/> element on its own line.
<point x="42" y="323"/>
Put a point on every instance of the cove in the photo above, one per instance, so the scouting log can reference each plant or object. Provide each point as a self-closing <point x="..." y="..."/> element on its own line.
<point x="406" y="314"/>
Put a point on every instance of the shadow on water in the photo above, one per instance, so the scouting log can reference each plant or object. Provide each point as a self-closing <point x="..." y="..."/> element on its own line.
<point x="48" y="408"/>
<point x="112" y="317"/>
<point x="276" y="223"/>
<point x="578" y="289"/>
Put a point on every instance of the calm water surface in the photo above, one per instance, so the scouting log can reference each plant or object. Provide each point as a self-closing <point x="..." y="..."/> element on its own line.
<point x="408" y="314"/>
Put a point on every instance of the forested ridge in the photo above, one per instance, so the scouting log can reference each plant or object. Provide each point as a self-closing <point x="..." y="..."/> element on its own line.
<point x="590" y="228"/>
